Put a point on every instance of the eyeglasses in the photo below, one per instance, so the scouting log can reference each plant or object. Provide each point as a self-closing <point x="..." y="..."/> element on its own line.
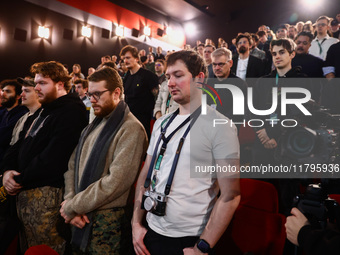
<point x="321" y="25"/>
<point x="158" y="65"/>
<point x="219" y="64"/>
<point x="96" y="95"/>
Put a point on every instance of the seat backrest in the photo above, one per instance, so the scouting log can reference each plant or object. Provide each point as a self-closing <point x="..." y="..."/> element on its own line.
<point x="257" y="227"/>
<point x="41" y="250"/>
<point x="259" y="194"/>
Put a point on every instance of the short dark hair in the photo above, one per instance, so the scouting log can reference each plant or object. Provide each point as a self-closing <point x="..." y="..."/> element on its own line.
<point x="83" y="82"/>
<point x="192" y="60"/>
<point x="53" y="70"/>
<point x="304" y="33"/>
<point x="286" y="43"/>
<point x="129" y="48"/>
<point x="282" y="26"/>
<point x="324" y="17"/>
<point x="14" y="83"/>
<point x="261" y="33"/>
<point x="244" y="35"/>
<point x="161" y="61"/>
<point x="109" y="64"/>
<point x="255" y="37"/>
<point x="112" y="78"/>
<point x="209" y="45"/>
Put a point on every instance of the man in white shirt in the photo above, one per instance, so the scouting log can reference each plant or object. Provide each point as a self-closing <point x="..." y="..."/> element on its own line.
<point x="322" y="41"/>
<point x="191" y="218"/>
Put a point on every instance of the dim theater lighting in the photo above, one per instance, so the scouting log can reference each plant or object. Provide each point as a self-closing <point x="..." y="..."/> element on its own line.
<point x="86" y="31"/>
<point x="43" y="32"/>
<point x="120" y="31"/>
<point x="147" y="31"/>
<point x="311" y="4"/>
<point x="168" y="30"/>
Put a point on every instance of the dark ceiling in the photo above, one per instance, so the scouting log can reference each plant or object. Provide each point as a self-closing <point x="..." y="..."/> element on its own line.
<point x="226" y="18"/>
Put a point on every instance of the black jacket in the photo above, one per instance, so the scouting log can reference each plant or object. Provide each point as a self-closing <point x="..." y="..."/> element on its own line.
<point x="42" y="157"/>
<point x="262" y="97"/>
<point x="8" y="119"/>
<point x="255" y="68"/>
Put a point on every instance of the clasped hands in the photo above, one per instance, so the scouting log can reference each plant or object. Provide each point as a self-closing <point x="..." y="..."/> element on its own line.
<point x="78" y="221"/>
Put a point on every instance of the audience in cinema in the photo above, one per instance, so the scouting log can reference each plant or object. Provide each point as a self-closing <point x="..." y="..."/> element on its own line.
<point x="61" y="190"/>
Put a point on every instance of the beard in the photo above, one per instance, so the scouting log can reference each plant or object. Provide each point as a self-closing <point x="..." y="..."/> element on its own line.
<point x="104" y="110"/>
<point x="9" y="102"/>
<point x="48" y="98"/>
<point x="242" y="49"/>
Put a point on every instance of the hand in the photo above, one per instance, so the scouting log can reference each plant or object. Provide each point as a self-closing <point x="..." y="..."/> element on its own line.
<point x="262" y="135"/>
<point x="62" y="212"/>
<point x="271" y="144"/>
<point x="293" y="225"/>
<point x="79" y="221"/>
<point x="192" y="251"/>
<point x="138" y="234"/>
<point x="11" y="186"/>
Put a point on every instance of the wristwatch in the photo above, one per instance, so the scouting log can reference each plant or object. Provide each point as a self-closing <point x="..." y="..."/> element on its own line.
<point x="203" y="246"/>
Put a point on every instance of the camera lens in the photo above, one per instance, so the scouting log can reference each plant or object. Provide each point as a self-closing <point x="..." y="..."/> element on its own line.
<point x="149" y="204"/>
<point x="301" y="142"/>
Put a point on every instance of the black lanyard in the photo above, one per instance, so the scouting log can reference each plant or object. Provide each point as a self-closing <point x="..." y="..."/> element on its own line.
<point x="165" y="140"/>
<point x="320" y="44"/>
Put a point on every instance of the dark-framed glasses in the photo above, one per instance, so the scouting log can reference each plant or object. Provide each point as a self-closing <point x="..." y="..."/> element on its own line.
<point x="221" y="64"/>
<point x="96" y="95"/>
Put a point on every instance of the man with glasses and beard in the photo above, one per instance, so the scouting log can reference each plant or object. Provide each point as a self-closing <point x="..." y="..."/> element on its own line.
<point x="102" y="170"/>
<point x="10" y="113"/>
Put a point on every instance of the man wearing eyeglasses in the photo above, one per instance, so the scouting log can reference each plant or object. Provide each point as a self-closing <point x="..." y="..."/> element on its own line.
<point x="323" y="41"/>
<point x="222" y="63"/>
<point x="102" y="170"/>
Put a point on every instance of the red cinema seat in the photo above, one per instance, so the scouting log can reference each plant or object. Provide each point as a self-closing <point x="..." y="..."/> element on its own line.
<point x="257" y="228"/>
<point x="41" y="250"/>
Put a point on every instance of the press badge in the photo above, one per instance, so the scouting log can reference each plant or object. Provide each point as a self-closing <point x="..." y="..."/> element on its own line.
<point x="213" y="106"/>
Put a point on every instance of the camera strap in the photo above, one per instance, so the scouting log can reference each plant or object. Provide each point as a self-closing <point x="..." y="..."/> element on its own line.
<point x="166" y="140"/>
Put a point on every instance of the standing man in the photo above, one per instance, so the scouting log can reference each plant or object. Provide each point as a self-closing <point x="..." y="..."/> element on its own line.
<point x="322" y="41"/>
<point x="81" y="87"/>
<point x="193" y="217"/>
<point x="292" y="32"/>
<point x="282" y="32"/>
<point x="159" y="69"/>
<point x="311" y="65"/>
<point x="332" y="63"/>
<point x="268" y="136"/>
<point x="222" y="63"/>
<point x="30" y="99"/>
<point x="36" y="176"/>
<point x="245" y="65"/>
<point x="10" y="113"/>
<point x="140" y="87"/>
<point x="102" y="170"/>
<point x="208" y="49"/>
<point x="159" y="54"/>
